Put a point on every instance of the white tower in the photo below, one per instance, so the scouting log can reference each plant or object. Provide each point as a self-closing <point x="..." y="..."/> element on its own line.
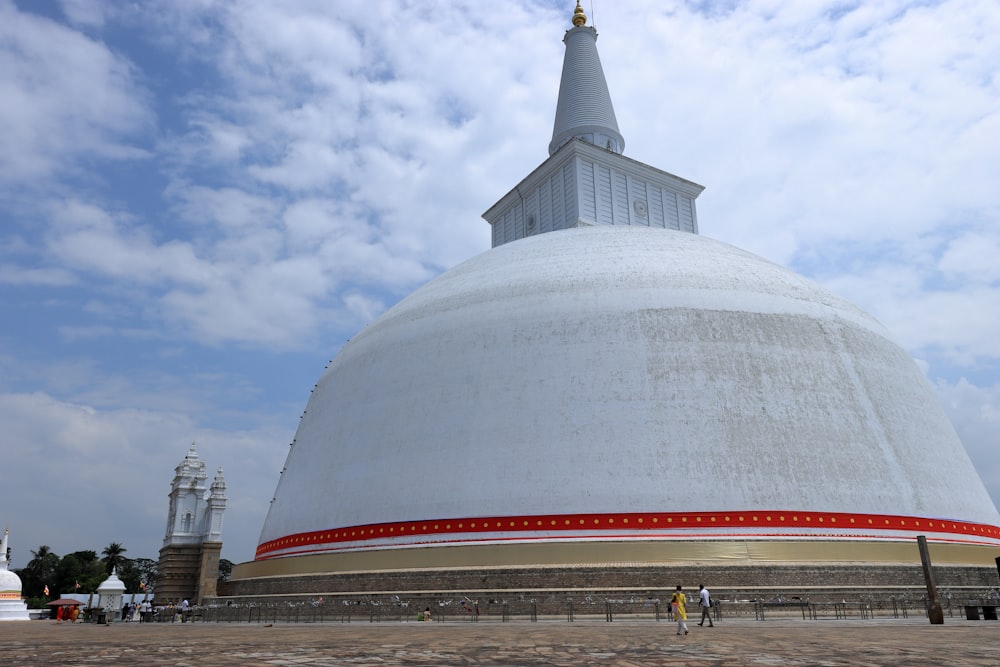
<point x="186" y="518"/>
<point x="189" y="559"/>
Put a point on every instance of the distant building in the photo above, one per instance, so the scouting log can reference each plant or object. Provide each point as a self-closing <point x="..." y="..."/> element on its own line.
<point x="189" y="559"/>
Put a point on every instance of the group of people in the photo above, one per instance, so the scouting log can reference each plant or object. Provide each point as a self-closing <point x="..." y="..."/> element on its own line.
<point x="70" y="613"/>
<point x="678" y="607"/>
<point x="143" y="610"/>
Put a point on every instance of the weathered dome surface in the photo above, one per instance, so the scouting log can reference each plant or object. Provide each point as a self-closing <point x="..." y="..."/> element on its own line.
<point x="10" y="584"/>
<point x="622" y="383"/>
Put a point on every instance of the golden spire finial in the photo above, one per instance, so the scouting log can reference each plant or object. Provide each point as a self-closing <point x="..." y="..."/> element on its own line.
<point x="579" y="18"/>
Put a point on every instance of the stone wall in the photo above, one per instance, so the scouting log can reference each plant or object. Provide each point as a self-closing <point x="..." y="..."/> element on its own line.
<point x="817" y="582"/>
<point x="187" y="571"/>
<point x="208" y="571"/>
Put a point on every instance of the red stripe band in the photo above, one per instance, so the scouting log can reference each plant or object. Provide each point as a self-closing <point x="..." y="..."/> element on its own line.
<point x="637" y="525"/>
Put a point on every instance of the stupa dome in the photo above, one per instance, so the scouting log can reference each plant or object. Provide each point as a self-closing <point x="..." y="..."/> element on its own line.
<point x="617" y="383"/>
<point x="605" y="389"/>
<point x="10" y="584"/>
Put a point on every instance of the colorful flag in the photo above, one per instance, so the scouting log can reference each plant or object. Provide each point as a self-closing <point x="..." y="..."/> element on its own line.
<point x="142" y="585"/>
<point x="78" y="585"/>
<point x="46" y="590"/>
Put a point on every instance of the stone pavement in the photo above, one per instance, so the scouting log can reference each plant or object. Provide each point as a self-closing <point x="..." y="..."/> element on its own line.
<point x="549" y="642"/>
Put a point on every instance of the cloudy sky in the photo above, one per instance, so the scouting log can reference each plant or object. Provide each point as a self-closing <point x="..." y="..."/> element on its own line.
<point x="202" y="200"/>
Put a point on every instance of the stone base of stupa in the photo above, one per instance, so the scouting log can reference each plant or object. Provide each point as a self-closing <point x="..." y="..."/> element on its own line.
<point x="14" y="610"/>
<point x="814" y="569"/>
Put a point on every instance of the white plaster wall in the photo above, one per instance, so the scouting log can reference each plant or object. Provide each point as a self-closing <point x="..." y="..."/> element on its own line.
<point x="619" y="369"/>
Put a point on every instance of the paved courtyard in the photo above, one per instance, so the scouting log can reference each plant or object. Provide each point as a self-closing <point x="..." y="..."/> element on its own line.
<point x="588" y="642"/>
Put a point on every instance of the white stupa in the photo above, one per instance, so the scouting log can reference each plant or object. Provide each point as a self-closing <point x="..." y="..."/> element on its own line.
<point x="112" y="592"/>
<point x="606" y="385"/>
<point x="12" y="606"/>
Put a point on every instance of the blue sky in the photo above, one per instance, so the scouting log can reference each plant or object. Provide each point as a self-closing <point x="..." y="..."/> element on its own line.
<point x="200" y="202"/>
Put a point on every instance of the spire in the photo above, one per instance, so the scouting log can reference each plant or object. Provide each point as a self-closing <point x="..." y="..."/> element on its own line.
<point x="191" y="470"/>
<point x="589" y="182"/>
<point x="3" y="549"/>
<point x="218" y="487"/>
<point x="584" y="109"/>
<point x="216" y="506"/>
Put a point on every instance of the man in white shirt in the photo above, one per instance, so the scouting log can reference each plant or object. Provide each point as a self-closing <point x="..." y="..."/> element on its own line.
<point x="705" y="602"/>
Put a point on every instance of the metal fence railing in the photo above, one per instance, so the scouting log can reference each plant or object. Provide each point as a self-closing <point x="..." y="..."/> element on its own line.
<point x="463" y="609"/>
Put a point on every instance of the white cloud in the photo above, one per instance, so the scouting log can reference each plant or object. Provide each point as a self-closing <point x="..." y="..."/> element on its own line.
<point x="975" y="412"/>
<point x="20" y="275"/>
<point x="233" y="211"/>
<point x="75" y="333"/>
<point x="85" y="12"/>
<point x="269" y="304"/>
<point x="838" y="134"/>
<point x="62" y="106"/>
<point x="973" y="256"/>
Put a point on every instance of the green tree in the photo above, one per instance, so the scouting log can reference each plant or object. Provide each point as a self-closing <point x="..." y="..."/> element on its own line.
<point x="225" y="569"/>
<point x="113" y="556"/>
<point x="86" y="557"/>
<point x="39" y="572"/>
<point x="129" y="574"/>
<point x="147" y="571"/>
<point x="91" y="571"/>
<point x="82" y="571"/>
<point x="68" y="573"/>
<point x="83" y="568"/>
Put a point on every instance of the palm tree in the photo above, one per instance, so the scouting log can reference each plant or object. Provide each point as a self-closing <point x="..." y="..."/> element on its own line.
<point x="40" y="570"/>
<point x="113" y="557"/>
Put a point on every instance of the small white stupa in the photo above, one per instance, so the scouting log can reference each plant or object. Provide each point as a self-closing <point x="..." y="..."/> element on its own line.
<point x="12" y="607"/>
<point x="112" y="591"/>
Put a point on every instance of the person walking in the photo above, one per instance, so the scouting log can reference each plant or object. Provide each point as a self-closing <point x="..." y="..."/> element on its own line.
<point x="678" y="604"/>
<point x="705" y="602"/>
